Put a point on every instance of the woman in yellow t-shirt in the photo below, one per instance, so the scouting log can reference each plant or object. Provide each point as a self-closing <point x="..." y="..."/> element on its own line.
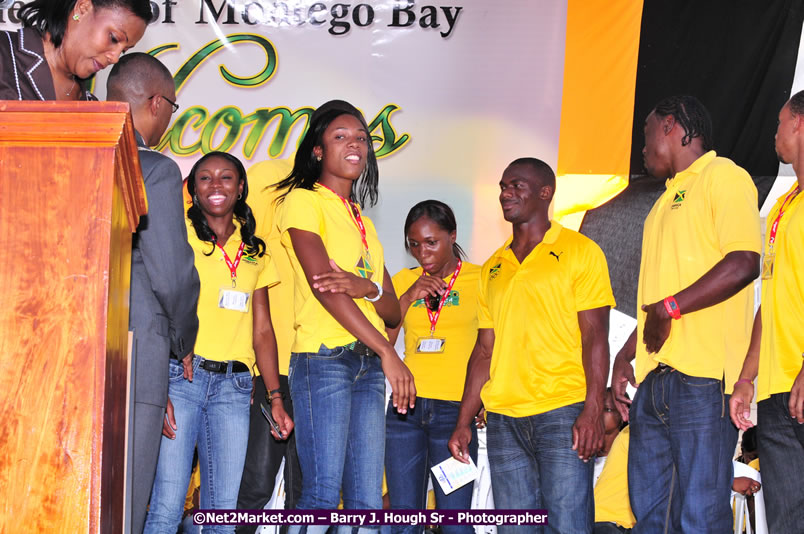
<point x="439" y="310"/>
<point x="210" y="393"/>
<point x="343" y="300"/>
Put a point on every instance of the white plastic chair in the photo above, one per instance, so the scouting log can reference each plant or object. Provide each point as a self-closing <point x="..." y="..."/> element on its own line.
<point x="740" y="507"/>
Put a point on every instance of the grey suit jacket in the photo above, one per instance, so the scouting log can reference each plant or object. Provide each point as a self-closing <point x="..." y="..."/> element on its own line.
<point x="164" y="282"/>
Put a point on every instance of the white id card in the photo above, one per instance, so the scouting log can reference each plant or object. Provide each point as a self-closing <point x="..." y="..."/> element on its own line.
<point x="430" y="344"/>
<point x="452" y="474"/>
<point x="231" y="299"/>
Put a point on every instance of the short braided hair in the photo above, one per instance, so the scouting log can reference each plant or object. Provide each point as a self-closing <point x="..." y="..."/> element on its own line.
<point x="691" y="115"/>
<point x="797" y="103"/>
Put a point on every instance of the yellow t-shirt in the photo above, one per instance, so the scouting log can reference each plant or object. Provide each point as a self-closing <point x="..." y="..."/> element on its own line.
<point x="441" y="375"/>
<point x="780" y="355"/>
<point x="261" y="178"/>
<point x="536" y="365"/>
<point x="323" y="213"/>
<point x="708" y="210"/>
<point x="227" y="334"/>
<point x="612" y="502"/>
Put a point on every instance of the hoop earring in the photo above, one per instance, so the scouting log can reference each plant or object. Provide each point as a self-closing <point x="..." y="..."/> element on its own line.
<point x="239" y="196"/>
<point x="195" y="199"/>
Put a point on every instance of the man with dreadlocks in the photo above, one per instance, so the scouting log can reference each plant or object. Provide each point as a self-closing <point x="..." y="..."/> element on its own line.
<point x="700" y="252"/>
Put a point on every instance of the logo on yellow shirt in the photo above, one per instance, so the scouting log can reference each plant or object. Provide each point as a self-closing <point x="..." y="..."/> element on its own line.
<point x="494" y="271"/>
<point x="679" y="198"/>
<point x="364" y="268"/>
<point x="454" y="299"/>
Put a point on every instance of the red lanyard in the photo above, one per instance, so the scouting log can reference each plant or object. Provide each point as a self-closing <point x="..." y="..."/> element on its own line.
<point x="435" y="315"/>
<point x="233" y="264"/>
<point x="775" y="226"/>
<point x="354" y="214"/>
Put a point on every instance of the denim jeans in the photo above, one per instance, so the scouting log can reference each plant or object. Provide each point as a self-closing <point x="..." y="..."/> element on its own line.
<point x="338" y="401"/>
<point x="211" y="413"/>
<point x="533" y="466"/>
<point x="415" y="442"/>
<point x="679" y="458"/>
<point x="781" y="449"/>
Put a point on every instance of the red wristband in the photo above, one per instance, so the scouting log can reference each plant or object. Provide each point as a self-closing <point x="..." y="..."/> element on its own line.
<point x="672" y="308"/>
<point x="744" y="380"/>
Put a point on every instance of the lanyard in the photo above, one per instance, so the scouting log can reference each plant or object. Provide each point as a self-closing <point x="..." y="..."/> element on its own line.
<point x="435" y="315"/>
<point x="354" y="214"/>
<point x="775" y="226"/>
<point x="233" y="264"/>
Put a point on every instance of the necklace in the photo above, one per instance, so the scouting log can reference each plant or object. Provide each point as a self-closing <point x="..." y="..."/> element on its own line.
<point x="68" y="93"/>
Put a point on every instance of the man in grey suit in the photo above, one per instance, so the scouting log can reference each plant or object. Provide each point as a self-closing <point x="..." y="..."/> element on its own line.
<point x="164" y="282"/>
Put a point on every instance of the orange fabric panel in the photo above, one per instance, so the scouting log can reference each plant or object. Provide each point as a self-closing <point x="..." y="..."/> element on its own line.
<point x="597" y="108"/>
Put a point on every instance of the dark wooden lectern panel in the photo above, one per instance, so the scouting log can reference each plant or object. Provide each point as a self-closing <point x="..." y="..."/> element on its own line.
<point x="71" y="194"/>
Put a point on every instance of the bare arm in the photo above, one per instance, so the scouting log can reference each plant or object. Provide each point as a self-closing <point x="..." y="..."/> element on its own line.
<point x="314" y="261"/>
<point x="477" y="374"/>
<point x="339" y="281"/>
<point x="267" y="359"/>
<point x="622" y="374"/>
<point x="587" y="432"/>
<point x="423" y="286"/>
<point x="740" y="402"/>
<point x="728" y="276"/>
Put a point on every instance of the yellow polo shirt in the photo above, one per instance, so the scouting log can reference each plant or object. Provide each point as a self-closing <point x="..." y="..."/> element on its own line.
<point x="227" y="334"/>
<point x="261" y="178"/>
<point x="708" y="210"/>
<point x="536" y="365"/>
<point x="612" y="502"/>
<point x="780" y="355"/>
<point x="441" y="375"/>
<point x="322" y="212"/>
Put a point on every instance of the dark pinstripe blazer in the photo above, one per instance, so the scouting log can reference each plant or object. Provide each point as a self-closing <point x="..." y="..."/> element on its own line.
<point x="24" y="72"/>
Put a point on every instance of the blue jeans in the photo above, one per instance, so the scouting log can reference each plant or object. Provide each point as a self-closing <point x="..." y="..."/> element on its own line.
<point x="415" y="442"/>
<point x="679" y="458"/>
<point x="533" y="466"/>
<point x="338" y="401"/>
<point x="781" y="447"/>
<point x="212" y="413"/>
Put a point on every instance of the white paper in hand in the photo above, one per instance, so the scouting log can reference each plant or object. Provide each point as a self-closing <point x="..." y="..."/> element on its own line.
<point x="452" y="474"/>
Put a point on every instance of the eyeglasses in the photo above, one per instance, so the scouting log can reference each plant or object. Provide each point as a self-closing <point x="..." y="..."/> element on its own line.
<point x="169" y="101"/>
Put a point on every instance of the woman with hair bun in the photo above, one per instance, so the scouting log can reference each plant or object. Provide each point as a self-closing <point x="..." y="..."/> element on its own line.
<point x="62" y="43"/>
<point x="439" y="314"/>
<point x="210" y="393"/>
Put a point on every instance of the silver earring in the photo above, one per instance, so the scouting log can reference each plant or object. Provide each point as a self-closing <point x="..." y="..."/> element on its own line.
<point x="195" y="199"/>
<point x="318" y="159"/>
<point x="239" y="196"/>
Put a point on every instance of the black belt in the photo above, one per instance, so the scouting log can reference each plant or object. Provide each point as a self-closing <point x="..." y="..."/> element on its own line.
<point x="220" y="367"/>
<point x="360" y="348"/>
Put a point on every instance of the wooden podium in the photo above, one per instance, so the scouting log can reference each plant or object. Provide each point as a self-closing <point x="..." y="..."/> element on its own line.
<point x="71" y="194"/>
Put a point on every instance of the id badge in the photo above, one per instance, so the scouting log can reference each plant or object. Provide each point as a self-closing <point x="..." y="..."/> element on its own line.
<point x="767" y="266"/>
<point x="231" y="299"/>
<point x="430" y="344"/>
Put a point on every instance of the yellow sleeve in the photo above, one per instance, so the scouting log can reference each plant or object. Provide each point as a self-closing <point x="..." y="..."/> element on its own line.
<point x="269" y="276"/>
<point x="301" y="209"/>
<point x="735" y="212"/>
<point x="484" y="319"/>
<point x="403" y="280"/>
<point x="592" y="285"/>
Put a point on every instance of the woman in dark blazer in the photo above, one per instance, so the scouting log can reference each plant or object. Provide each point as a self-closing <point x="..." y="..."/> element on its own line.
<point x="62" y="43"/>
